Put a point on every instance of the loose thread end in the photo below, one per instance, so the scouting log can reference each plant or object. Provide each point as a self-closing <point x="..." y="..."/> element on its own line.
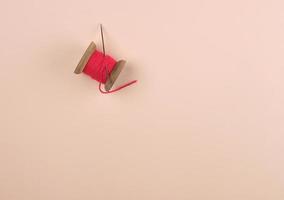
<point x="117" y="89"/>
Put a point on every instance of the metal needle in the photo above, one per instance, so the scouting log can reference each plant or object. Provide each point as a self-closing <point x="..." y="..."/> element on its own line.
<point x="103" y="41"/>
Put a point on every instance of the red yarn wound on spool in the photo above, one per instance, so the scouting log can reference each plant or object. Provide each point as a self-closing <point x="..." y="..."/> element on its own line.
<point x="99" y="67"/>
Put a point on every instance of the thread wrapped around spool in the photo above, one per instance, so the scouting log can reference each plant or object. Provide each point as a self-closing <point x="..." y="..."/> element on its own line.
<point x="89" y="62"/>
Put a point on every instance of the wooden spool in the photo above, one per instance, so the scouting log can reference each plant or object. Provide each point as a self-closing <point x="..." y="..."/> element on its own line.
<point x="114" y="74"/>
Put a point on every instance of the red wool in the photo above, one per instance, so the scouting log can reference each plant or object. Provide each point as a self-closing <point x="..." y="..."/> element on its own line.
<point x="99" y="67"/>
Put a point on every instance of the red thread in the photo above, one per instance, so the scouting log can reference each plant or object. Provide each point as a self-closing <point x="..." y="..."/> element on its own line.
<point x="99" y="67"/>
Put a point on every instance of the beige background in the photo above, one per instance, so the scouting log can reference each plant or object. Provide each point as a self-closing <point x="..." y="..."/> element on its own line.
<point x="204" y="122"/>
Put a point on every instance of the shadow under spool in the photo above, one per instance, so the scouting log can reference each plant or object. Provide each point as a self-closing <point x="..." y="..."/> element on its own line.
<point x="112" y="76"/>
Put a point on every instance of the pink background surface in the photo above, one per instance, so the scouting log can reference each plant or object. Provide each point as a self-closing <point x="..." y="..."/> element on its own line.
<point x="205" y="120"/>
